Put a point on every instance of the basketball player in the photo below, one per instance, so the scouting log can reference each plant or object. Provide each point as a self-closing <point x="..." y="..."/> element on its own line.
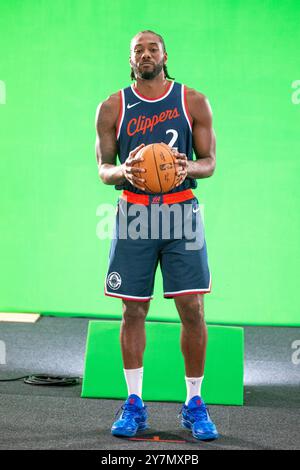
<point x="157" y="109"/>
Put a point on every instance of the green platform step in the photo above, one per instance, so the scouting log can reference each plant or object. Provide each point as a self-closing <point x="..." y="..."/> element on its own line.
<point x="163" y="364"/>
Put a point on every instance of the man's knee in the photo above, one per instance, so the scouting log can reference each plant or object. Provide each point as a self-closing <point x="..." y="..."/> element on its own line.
<point x="190" y="309"/>
<point x="135" y="310"/>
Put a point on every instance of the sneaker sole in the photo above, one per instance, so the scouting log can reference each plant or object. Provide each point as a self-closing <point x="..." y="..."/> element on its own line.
<point x="124" y="433"/>
<point x="203" y="437"/>
<point x="206" y="437"/>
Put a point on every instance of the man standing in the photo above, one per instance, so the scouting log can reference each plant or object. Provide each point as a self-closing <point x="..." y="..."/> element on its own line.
<point x="180" y="117"/>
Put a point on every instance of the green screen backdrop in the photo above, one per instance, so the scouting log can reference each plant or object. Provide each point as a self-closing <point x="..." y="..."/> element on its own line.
<point x="59" y="59"/>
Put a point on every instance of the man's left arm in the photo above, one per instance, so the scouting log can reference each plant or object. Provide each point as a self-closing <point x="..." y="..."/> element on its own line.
<point x="204" y="141"/>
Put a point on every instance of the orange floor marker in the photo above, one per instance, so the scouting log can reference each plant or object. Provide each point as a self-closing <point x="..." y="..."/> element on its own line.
<point x="155" y="439"/>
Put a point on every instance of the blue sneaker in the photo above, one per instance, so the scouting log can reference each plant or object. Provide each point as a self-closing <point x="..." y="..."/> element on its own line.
<point x="195" y="417"/>
<point x="133" y="418"/>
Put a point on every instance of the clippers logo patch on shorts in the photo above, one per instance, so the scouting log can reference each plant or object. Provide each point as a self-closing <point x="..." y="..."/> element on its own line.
<point x="114" y="281"/>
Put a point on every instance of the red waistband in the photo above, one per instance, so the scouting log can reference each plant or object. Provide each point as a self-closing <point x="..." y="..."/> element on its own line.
<point x="145" y="199"/>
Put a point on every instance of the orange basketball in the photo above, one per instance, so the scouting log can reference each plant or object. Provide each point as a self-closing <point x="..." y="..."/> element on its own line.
<point x="159" y="162"/>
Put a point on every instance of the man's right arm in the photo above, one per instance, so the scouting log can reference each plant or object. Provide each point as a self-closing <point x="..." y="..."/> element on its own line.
<point x="107" y="149"/>
<point x="106" y="141"/>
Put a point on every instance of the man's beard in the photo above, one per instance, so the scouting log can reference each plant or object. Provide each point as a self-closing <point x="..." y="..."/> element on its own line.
<point x="147" y="75"/>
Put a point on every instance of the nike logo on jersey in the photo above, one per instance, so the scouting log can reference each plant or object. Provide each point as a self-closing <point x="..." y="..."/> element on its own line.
<point x="131" y="105"/>
<point x="196" y="209"/>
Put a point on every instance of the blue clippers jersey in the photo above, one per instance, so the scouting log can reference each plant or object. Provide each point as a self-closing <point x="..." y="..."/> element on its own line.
<point x="147" y="121"/>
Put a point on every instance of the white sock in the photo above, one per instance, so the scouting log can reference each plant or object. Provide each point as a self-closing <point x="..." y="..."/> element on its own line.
<point x="134" y="381"/>
<point x="193" y="387"/>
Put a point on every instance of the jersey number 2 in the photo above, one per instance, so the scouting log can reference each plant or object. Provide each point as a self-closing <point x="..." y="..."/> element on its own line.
<point x="174" y="138"/>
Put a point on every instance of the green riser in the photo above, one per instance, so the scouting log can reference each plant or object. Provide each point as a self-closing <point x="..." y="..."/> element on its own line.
<point x="163" y="364"/>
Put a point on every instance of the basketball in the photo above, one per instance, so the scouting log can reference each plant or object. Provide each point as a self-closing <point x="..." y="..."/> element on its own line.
<point x="159" y="162"/>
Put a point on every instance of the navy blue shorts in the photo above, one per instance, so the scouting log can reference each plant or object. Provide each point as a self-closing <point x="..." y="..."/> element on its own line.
<point x="171" y="235"/>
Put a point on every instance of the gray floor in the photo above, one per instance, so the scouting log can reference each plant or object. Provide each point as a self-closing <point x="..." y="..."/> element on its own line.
<point x="34" y="417"/>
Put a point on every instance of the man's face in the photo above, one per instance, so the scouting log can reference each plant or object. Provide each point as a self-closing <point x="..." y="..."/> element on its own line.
<point x="146" y="56"/>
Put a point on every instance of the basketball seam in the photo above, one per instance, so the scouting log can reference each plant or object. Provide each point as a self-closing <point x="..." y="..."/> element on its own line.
<point x="172" y="155"/>
<point x="173" y="185"/>
<point x="147" y="187"/>
<point x="157" y="172"/>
